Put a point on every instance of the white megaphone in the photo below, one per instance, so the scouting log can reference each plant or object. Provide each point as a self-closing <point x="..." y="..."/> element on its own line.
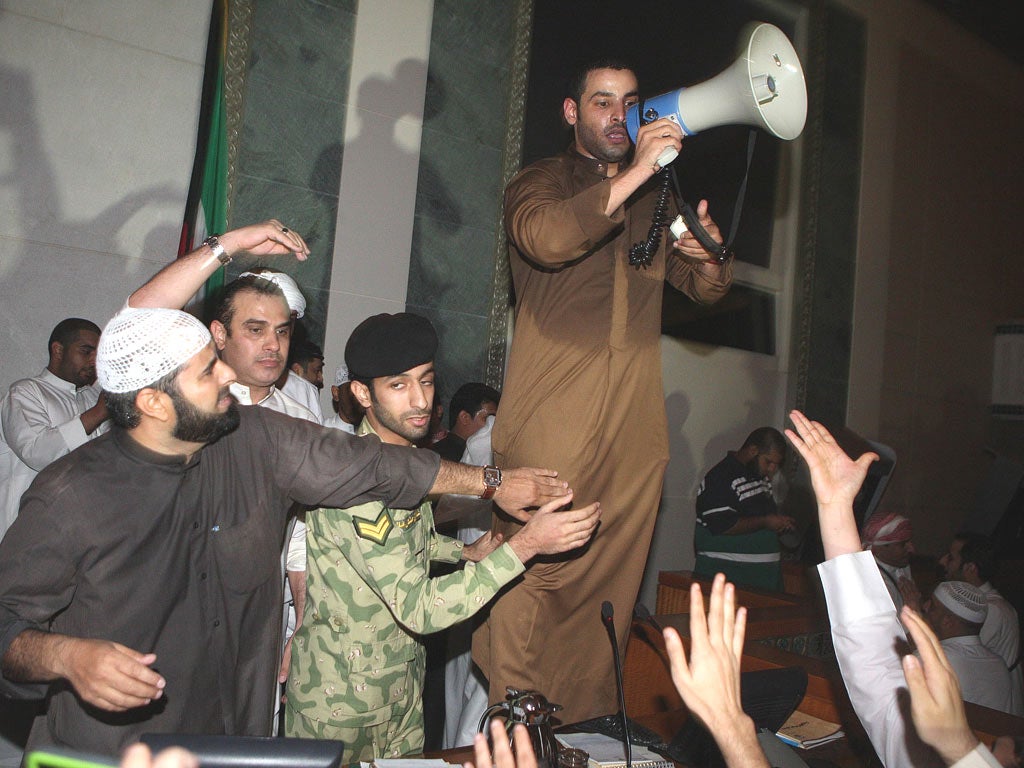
<point x="763" y="87"/>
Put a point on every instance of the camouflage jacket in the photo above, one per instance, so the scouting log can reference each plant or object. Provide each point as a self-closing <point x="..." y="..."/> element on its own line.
<point x="368" y="598"/>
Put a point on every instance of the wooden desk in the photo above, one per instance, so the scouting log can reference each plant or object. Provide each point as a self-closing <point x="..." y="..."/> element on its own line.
<point x="674" y="593"/>
<point x="842" y="753"/>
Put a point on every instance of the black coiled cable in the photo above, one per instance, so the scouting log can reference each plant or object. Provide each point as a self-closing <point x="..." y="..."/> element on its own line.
<point x="642" y="254"/>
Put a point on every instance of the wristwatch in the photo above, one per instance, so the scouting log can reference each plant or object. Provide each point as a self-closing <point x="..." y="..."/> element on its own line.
<point x="213" y="242"/>
<point x="492" y="479"/>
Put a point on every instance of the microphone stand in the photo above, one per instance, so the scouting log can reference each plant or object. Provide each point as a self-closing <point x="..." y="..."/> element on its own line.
<point x="608" y="619"/>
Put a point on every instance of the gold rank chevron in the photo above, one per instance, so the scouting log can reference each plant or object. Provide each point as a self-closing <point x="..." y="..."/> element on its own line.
<point x="376" y="531"/>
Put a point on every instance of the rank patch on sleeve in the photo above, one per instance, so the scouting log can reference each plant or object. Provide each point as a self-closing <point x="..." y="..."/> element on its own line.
<point x="377" y="530"/>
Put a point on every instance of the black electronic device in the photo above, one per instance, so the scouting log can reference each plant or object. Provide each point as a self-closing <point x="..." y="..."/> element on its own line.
<point x="252" y="751"/>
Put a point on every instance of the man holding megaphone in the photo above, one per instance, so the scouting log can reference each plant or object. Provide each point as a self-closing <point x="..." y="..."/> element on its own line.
<point x="583" y="391"/>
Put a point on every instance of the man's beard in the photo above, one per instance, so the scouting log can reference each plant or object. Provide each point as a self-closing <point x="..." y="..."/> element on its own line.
<point x="196" y="426"/>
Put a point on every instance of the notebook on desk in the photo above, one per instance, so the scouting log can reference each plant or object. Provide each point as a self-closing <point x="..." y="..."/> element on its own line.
<point x="608" y="752"/>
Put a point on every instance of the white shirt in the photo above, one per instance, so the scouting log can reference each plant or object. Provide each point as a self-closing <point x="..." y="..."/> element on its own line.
<point x="891" y="576"/>
<point x="305" y="393"/>
<point x="984" y="678"/>
<point x="1001" y="633"/>
<point x="865" y="631"/>
<point x="334" y="421"/>
<point x="40" y="423"/>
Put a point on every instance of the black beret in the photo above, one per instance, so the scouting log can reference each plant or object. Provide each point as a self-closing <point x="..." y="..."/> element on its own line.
<point x="387" y="345"/>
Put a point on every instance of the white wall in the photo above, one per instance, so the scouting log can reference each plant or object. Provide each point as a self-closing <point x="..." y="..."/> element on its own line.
<point x="97" y="135"/>
<point x="377" y="196"/>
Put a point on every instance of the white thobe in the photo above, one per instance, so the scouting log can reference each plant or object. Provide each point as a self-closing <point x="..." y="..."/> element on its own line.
<point x="983" y="676"/>
<point x="40" y="423"/>
<point x="1001" y="633"/>
<point x="304" y="393"/>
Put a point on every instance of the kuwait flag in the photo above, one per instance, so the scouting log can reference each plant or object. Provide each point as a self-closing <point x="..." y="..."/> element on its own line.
<point x="207" y="202"/>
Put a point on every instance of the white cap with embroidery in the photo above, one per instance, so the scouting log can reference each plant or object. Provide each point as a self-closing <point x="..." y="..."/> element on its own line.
<point x="140" y="346"/>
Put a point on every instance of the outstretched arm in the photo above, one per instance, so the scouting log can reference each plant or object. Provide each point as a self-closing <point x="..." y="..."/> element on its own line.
<point x="709" y="681"/>
<point x="836" y="478"/>
<point x="175" y="284"/>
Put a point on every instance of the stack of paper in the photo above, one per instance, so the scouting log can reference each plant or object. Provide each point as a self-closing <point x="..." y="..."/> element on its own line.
<point x="607" y="752"/>
<point x="806" y="731"/>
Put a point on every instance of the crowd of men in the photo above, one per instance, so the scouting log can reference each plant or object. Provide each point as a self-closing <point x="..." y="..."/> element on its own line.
<point x="186" y="539"/>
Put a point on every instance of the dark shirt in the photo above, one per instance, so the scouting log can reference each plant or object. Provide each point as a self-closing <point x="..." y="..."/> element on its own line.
<point x="450" y="448"/>
<point x="729" y="492"/>
<point x="183" y="560"/>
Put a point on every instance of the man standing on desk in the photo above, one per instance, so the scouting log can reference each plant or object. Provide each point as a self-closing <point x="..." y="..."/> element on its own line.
<point x="583" y="388"/>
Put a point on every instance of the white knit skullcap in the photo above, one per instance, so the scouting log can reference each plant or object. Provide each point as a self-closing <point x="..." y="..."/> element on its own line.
<point x="341" y="375"/>
<point x="290" y="289"/>
<point x="140" y="346"/>
<point x="963" y="599"/>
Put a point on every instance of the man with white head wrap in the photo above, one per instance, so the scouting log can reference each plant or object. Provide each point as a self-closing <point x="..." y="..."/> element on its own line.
<point x="151" y="608"/>
<point x="888" y="536"/>
<point x="289" y="382"/>
<point x="957" y="611"/>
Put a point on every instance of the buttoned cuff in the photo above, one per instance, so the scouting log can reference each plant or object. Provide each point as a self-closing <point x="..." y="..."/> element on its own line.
<point x="73" y="433"/>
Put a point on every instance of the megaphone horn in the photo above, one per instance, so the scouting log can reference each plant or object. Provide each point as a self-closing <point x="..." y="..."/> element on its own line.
<point x="763" y="87"/>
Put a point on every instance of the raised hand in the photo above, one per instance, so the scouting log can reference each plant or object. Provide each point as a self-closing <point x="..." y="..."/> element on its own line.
<point x="268" y="238"/>
<point x="503" y="757"/>
<point x="836" y="478"/>
<point x="936" y="703"/>
<point x="709" y="681"/>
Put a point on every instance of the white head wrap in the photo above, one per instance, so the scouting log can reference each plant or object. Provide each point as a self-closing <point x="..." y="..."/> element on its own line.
<point x="140" y="346"/>
<point x="962" y="599"/>
<point x="341" y="375"/>
<point x="290" y="289"/>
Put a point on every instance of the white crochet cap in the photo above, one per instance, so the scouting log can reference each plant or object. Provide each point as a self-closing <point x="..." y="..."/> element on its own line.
<point x="341" y="375"/>
<point x="140" y="346"/>
<point x="290" y="289"/>
<point x="963" y="599"/>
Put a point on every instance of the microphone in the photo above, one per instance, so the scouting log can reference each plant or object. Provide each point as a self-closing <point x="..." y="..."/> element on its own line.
<point x="640" y="613"/>
<point x="608" y="619"/>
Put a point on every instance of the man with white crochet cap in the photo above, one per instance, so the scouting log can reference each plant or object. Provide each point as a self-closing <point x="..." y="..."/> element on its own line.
<point x="152" y="608"/>
<point x="347" y="410"/>
<point x="956" y="612"/>
<point x="252" y="327"/>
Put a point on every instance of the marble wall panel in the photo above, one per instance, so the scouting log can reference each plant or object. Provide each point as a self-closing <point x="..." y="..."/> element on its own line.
<point x="458" y="198"/>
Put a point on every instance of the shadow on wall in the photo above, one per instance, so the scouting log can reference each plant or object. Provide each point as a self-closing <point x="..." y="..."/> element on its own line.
<point x="54" y="266"/>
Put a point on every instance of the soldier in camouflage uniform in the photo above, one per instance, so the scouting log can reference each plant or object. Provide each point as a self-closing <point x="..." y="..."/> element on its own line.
<point x="357" y="661"/>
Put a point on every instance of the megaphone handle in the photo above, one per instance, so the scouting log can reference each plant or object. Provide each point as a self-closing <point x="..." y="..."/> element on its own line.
<point x="719" y="252"/>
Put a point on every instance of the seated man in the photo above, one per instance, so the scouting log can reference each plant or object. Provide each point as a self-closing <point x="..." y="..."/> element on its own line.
<point x="956" y="612"/>
<point x="357" y="659"/>
<point x="866" y="629"/>
<point x="738" y="523"/>
<point x="972" y="558"/>
<point x="888" y="536"/>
